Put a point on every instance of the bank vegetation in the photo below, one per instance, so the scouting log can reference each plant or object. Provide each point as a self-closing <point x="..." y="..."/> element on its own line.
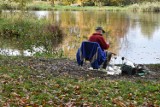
<point x="24" y="32"/>
<point x="111" y="5"/>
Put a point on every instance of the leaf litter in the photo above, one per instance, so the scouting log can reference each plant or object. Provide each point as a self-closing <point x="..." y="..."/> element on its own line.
<point x="41" y="82"/>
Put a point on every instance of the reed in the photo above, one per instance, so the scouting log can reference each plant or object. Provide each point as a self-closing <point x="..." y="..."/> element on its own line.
<point x="145" y="7"/>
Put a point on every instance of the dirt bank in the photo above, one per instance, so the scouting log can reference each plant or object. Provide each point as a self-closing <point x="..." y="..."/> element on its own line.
<point x="57" y="67"/>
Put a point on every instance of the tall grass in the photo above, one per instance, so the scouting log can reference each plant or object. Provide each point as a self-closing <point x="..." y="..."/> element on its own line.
<point x="141" y="7"/>
<point x="24" y="33"/>
<point x="6" y="5"/>
<point x="39" y="5"/>
<point x="0" y="9"/>
<point x="145" y="7"/>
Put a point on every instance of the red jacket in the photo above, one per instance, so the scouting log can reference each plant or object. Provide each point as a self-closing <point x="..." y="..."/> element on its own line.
<point x="97" y="37"/>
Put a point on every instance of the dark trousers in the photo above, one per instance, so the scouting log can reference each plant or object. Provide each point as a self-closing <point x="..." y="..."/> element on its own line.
<point x="108" y="58"/>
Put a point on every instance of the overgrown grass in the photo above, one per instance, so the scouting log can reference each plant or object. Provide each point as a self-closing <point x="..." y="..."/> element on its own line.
<point x="145" y="7"/>
<point x="0" y="10"/>
<point x="27" y="33"/>
<point x="22" y="86"/>
<point x="86" y="8"/>
<point x="8" y="5"/>
<point x="41" y="5"/>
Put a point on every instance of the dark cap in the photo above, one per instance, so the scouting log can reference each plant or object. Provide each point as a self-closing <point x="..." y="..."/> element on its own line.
<point x="100" y="28"/>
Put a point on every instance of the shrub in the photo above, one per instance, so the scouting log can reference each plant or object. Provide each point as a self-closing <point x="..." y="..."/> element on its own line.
<point x="51" y="36"/>
<point x="88" y="3"/>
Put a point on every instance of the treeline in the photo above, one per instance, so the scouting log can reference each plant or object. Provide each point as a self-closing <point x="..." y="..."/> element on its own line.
<point x="100" y="2"/>
<point x="134" y="5"/>
<point x="85" y="2"/>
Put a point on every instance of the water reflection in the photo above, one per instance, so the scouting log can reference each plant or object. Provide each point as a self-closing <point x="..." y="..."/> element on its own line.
<point x="41" y="14"/>
<point x="133" y="35"/>
<point x="141" y="49"/>
<point x="15" y="52"/>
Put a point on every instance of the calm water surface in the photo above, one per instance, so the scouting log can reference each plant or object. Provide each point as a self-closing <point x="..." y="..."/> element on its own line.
<point x="135" y="36"/>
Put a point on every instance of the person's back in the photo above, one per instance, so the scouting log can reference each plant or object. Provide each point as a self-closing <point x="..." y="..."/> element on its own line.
<point x="98" y="37"/>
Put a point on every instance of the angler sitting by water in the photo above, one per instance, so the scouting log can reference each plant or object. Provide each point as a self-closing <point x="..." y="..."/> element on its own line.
<point x="98" y="37"/>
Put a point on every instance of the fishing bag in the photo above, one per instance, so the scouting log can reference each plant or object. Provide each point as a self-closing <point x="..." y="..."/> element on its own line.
<point x="128" y="70"/>
<point x="139" y="70"/>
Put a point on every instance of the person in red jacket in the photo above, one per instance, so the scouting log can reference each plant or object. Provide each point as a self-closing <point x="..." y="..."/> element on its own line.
<point x="98" y="37"/>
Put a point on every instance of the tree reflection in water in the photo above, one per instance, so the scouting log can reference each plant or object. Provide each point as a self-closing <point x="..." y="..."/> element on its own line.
<point x="133" y="35"/>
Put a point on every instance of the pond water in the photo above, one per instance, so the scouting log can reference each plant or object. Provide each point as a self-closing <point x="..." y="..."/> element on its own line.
<point x="135" y="36"/>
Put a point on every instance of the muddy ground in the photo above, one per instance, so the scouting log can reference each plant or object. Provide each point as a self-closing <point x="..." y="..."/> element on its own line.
<point x="60" y="67"/>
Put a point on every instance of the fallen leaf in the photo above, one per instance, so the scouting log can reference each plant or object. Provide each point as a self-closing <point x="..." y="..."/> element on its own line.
<point x="119" y="103"/>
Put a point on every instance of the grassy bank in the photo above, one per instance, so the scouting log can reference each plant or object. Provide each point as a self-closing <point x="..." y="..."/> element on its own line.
<point x="40" y="5"/>
<point x="47" y="6"/>
<point x="22" y="85"/>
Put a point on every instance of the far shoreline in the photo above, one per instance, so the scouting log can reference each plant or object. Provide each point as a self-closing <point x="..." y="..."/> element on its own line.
<point x="45" y="6"/>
